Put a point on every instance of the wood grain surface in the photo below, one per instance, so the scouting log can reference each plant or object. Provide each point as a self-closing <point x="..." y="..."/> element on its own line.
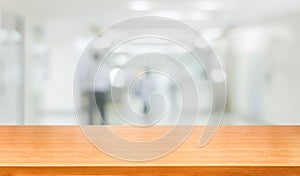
<point x="234" y="150"/>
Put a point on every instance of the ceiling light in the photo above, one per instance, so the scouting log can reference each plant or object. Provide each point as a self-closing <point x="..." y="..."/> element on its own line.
<point x="208" y="5"/>
<point x="170" y="14"/>
<point x="140" y="5"/>
<point x="199" y="16"/>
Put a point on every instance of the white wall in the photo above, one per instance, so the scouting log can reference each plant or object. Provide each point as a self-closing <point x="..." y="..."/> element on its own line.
<point x="264" y="76"/>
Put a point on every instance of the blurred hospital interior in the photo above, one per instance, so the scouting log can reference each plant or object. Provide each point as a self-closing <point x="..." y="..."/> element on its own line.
<point x="42" y="42"/>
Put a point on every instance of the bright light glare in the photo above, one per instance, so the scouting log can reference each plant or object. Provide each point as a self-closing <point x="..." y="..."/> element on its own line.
<point x="218" y="75"/>
<point x="212" y="34"/>
<point x="117" y="78"/>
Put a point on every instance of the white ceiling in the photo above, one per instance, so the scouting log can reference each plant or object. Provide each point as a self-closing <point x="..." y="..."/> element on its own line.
<point x="111" y="11"/>
<point x="73" y="17"/>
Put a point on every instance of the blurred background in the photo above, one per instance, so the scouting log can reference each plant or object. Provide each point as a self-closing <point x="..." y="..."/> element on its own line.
<point x="257" y="41"/>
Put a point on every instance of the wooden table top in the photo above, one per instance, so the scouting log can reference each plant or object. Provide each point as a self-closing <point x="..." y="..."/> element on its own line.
<point x="262" y="149"/>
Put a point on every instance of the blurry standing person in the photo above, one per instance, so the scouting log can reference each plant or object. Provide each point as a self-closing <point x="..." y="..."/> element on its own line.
<point x="100" y="86"/>
<point x="145" y="88"/>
